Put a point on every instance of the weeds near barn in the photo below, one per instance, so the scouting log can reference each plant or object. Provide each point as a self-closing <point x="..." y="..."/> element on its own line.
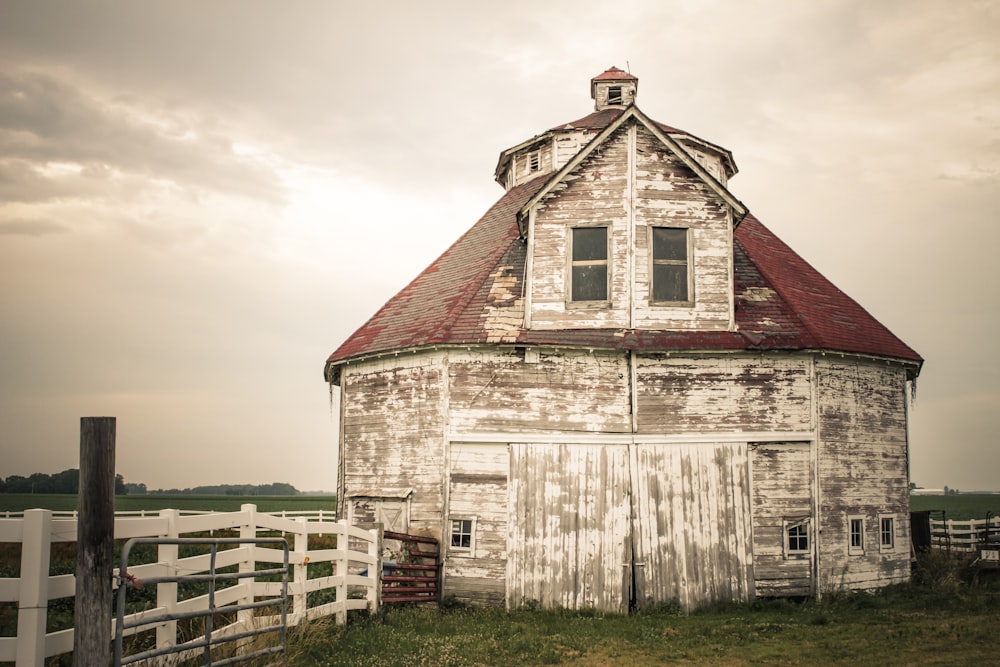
<point x="947" y="616"/>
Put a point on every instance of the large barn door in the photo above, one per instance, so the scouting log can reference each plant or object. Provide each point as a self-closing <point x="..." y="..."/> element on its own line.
<point x="569" y="534"/>
<point x="691" y="509"/>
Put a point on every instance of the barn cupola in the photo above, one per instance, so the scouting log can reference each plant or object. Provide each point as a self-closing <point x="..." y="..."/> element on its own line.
<point x="613" y="88"/>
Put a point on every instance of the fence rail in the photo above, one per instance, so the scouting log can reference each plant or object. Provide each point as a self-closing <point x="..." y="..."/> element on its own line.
<point x="965" y="534"/>
<point x="37" y="530"/>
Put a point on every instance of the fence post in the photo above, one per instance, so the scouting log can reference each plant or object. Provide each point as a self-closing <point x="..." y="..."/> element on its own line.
<point x="95" y="537"/>
<point x="33" y="596"/>
<point x="300" y="572"/>
<point x="248" y="531"/>
<point x="166" y="592"/>
<point x="374" y="592"/>
<point x="340" y="590"/>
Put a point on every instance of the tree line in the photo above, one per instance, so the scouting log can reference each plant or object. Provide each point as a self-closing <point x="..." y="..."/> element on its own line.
<point x="68" y="481"/>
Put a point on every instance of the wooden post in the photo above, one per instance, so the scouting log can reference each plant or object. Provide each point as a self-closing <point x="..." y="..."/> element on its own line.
<point x="33" y="594"/>
<point x="95" y="535"/>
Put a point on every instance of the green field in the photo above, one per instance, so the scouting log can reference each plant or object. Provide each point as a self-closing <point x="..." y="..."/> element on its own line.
<point x="17" y="502"/>
<point x="948" y="617"/>
<point x="959" y="505"/>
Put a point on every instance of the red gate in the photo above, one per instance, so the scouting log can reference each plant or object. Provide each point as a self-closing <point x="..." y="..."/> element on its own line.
<point x="413" y="572"/>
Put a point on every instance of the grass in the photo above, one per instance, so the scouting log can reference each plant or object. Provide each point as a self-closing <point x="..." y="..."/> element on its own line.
<point x="947" y="617"/>
<point x="959" y="505"/>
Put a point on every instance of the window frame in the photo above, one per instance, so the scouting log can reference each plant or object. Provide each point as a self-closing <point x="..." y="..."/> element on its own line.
<point x="571" y="264"/>
<point x="883" y="546"/>
<point x="460" y="550"/>
<point x="855" y="549"/>
<point x="787" y="526"/>
<point x="687" y="264"/>
<point x="616" y="95"/>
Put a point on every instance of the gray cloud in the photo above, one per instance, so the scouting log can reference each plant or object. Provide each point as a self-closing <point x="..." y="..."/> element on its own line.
<point x="199" y="201"/>
<point x="59" y="142"/>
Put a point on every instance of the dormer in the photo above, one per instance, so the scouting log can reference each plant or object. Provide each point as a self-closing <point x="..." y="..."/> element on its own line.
<point x="634" y="232"/>
<point x="613" y="88"/>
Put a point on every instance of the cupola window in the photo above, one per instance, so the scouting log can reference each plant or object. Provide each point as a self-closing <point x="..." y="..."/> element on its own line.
<point x="589" y="266"/>
<point x="615" y="95"/>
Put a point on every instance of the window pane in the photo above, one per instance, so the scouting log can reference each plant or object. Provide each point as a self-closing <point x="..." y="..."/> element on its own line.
<point x="857" y="533"/>
<point x="590" y="283"/>
<point x="670" y="282"/>
<point x="887" y="532"/>
<point x="590" y="243"/>
<point x="670" y="243"/>
<point x="798" y="539"/>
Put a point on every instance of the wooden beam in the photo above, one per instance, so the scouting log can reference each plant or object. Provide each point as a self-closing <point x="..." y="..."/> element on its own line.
<point x="95" y="543"/>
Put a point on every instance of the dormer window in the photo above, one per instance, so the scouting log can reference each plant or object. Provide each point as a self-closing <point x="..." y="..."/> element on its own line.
<point x="589" y="264"/>
<point x="670" y="275"/>
<point x="615" y="95"/>
<point x="534" y="160"/>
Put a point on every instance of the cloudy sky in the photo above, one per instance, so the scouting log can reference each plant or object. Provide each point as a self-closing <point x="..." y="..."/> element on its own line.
<point x="199" y="201"/>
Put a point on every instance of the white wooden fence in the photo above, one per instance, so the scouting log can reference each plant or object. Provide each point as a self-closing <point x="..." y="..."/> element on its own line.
<point x="355" y="578"/>
<point x="963" y="534"/>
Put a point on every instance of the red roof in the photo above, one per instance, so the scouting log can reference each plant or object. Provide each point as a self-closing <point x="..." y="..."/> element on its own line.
<point x="782" y="303"/>
<point x="615" y="74"/>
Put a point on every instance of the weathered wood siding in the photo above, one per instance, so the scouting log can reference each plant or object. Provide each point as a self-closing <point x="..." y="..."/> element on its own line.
<point x="478" y="491"/>
<point x="394" y="432"/>
<point x="691" y="523"/>
<point x="729" y="393"/>
<point x="569" y="527"/>
<point x="782" y="492"/>
<point x="667" y="193"/>
<point x="597" y="193"/>
<point x="862" y="471"/>
<point x="565" y="391"/>
<point x="563" y="523"/>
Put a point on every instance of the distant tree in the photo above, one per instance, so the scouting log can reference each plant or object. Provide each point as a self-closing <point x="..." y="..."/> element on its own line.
<point x="68" y="481"/>
<point x="16" y="484"/>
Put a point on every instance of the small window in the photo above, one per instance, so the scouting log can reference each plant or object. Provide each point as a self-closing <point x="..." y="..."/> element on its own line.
<point x="461" y="534"/>
<point x="589" y="270"/>
<point x="670" y="265"/>
<point x="534" y="161"/>
<point x="797" y="537"/>
<point x="856" y="535"/>
<point x="614" y="95"/>
<point x="886" y="533"/>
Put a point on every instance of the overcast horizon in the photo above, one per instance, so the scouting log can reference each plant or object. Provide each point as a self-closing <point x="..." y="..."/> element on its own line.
<point x="199" y="202"/>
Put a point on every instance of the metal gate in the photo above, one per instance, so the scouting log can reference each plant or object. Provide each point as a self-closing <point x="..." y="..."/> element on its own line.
<point x="211" y="577"/>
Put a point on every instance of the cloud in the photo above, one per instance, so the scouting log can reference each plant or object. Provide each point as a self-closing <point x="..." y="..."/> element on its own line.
<point x="59" y="142"/>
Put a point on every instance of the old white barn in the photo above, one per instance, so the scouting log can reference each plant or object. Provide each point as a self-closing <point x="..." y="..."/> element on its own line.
<point x="619" y="388"/>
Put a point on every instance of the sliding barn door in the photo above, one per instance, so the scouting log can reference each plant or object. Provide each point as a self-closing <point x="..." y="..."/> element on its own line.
<point x="568" y="540"/>
<point x="691" y="523"/>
